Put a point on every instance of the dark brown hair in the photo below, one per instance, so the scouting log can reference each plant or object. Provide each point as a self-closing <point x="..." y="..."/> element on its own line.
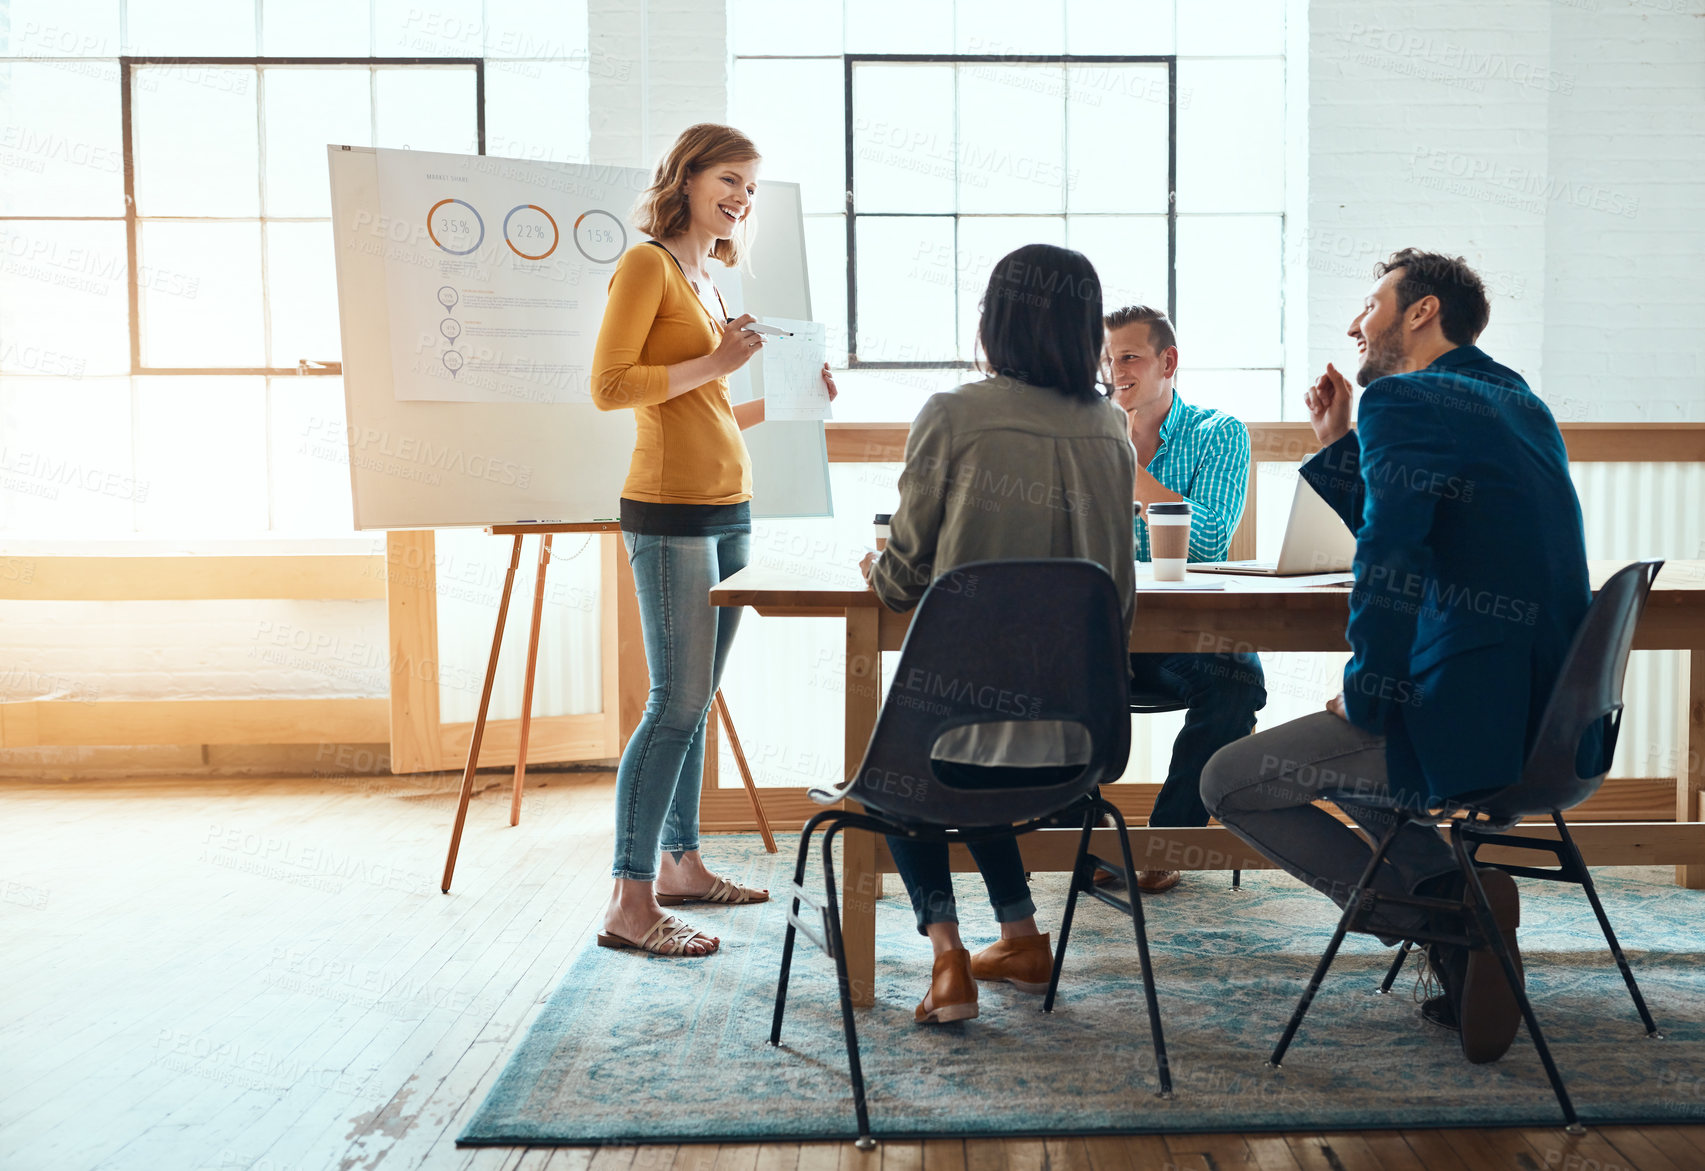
<point x="1161" y="334"/>
<point x="1463" y="309"/>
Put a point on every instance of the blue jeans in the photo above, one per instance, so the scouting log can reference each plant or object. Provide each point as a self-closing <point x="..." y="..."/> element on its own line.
<point x="1224" y="693"/>
<point x="923" y="868"/>
<point x="686" y="645"/>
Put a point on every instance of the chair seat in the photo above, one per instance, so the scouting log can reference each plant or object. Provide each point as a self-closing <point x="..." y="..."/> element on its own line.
<point x="1152" y="703"/>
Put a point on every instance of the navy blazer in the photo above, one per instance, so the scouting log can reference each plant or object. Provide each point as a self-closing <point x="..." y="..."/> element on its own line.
<point x="1470" y="568"/>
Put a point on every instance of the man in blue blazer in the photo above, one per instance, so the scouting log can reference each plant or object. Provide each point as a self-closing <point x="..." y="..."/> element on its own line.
<point x="1471" y="579"/>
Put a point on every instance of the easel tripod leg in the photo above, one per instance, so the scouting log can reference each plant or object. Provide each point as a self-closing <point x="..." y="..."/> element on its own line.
<point x="527" y="686"/>
<point x="479" y="722"/>
<point x="745" y="771"/>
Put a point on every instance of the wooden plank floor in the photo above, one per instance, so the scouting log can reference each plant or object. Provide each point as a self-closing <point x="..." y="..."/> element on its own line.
<point x="263" y="975"/>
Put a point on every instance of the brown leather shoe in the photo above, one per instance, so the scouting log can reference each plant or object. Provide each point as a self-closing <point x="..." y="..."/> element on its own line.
<point x="1153" y="882"/>
<point x="1026" y="963"/>
<point x="1489" y="1013"/>
<point x="952" y="992"/>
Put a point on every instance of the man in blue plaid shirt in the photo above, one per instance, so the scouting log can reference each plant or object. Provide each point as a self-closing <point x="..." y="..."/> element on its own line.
<point x="1198" y="454"/>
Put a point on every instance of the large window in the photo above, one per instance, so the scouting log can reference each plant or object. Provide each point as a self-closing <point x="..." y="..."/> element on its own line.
<point x="932" y="136"/>
<point x="169" y="349"/>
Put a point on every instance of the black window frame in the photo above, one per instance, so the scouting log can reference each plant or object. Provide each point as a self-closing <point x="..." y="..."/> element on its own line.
<point x="127" y="66"/>
<point x="851" y="60"/>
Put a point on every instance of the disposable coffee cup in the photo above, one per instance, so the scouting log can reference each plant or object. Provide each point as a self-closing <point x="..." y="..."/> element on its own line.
<point x="1169" y="538"/>
<point x="882" y="519"/>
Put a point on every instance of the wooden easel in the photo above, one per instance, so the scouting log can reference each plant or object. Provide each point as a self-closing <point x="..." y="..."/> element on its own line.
<point x="546" y="530"/>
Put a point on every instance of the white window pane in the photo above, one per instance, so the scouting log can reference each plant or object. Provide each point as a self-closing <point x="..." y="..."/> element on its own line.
<point x="903" y="141"/>
<point x="537" y="110"/>
<point x="884" y="396"/>
<point x="427" y="108"/>
<point x="1008" y="27"/>
<point x="1129" y="255"/>
<point x="1217" y="255"/>
<point x="305" y="109"/>
<point x="900" y="26"/>
<point x="982" y="242"/>
<point x="1231" y="135"/>
<point x="1251" y="395"/>
<point x="1133" y="27"/>
<point x="436" y="28"/>
<point x="60" y="28"/>
<point x="61" y="152"/>
<point x="65" y="462"/>
<point x="555" y="29"/>
<point x="201" y="449"/>
<point x="189" y="28"/>
<point x="202" y="307"/>
<point x="301" y="293"/>
<point x="64" y="307"/>
<point x="1224" y="28"/>
<point x="773" y="27"/>
<point x="315" y="28"/>
<point x="905" y="280"/>
<point x="309" y="457"/>
<point x="1116" y="128"/>
<point x="826" y="265"/>
<point x="197" y="149"/>
<point x="794" y="111"/>
<point x="1011" y="138"/>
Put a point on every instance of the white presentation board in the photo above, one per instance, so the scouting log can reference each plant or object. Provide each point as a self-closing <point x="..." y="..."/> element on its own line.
<point x="534" y="447"/>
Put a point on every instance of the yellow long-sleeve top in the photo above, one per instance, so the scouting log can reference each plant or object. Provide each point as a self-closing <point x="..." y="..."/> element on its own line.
<point x="689" y="449"/>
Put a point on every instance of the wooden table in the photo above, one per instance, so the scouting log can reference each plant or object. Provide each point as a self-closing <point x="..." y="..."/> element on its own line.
<point x="1273" y="617"/>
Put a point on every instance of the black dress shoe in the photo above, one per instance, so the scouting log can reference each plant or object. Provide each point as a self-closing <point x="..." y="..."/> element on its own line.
<point x="1437" y="1010"/>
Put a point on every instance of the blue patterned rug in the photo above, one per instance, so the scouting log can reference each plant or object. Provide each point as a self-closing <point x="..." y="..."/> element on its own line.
<point x="641" y="1049"/>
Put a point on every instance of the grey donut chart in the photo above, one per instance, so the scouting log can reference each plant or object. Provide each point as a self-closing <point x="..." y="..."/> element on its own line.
<point x="600" y="237"/>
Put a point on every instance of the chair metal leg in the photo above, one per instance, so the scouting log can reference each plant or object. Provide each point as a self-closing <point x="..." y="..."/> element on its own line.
<point x="1489" y="928"/>
<point x="1350" y="906"/>
<point x="1081" y="876"/>
<point x="1396" y="967"/>
<point x="1580" y="866"/>
<point x="865" y="1142"/>
<point x="787" y="944"/>
<point x="1136" y="900"/>
<point x="1237" y="880"/>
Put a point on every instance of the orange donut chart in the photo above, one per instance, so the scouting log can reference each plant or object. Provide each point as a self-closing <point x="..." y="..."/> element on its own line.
<point x="556" y="232"/>
<point x="478" y="219"/>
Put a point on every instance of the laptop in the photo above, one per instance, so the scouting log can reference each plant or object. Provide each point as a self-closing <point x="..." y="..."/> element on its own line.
<point x="1316" y="541"/>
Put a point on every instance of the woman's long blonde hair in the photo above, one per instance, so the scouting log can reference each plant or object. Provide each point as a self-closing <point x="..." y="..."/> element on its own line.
<point x="662" y="211"/>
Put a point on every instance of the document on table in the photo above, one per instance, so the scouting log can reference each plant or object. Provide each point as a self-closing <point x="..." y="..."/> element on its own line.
<point x="793" y="372"/>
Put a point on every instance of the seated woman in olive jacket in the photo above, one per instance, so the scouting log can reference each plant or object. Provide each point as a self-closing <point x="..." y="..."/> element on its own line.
<point x="1032" y="461"/>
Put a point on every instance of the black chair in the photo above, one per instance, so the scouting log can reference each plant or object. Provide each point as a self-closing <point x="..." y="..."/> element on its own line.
<point x="991" y="642"/>
<point x="1588" y="691"/>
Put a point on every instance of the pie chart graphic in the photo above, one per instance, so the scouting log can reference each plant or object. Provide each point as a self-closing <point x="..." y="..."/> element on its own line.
<point x="455" y="226"/>
<point x="600" y="237"/>
<point x="530" y="231"/>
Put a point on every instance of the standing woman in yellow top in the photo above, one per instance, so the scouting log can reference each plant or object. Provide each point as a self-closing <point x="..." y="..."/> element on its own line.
<point x="665" y="351"/>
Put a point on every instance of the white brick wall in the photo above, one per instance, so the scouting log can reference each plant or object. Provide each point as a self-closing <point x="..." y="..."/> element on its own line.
<point x="670" y="61"/>
<point x="1560" y="147"/>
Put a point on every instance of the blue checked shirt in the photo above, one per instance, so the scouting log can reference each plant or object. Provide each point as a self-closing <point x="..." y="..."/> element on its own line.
<point x="1204" y="457"/>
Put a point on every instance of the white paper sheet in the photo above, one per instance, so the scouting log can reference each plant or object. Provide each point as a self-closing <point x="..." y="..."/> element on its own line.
<point x="793" y="372"/>
<point x="1192" y="581"/>
<point x="497" y="273"/>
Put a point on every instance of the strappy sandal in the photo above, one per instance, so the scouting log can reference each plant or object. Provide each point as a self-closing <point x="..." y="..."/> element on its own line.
<point x="668" y="936"/>
<point x="721" y="891"/>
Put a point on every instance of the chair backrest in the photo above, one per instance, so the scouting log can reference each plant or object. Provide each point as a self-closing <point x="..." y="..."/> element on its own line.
<point x="1588" y="689"/>
<point x="995" y="642"/>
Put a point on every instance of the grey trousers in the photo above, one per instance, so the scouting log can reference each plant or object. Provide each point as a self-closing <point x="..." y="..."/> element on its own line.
<point x="1262" y="789"/>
